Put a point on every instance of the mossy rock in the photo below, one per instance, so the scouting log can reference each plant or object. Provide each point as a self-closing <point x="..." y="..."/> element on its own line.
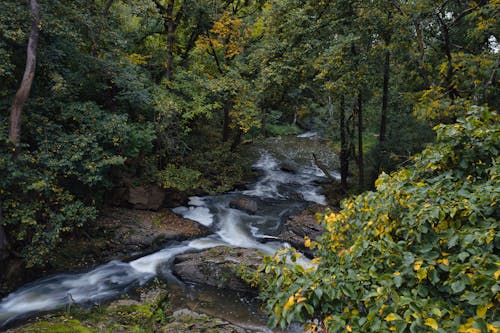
<point x="62" y="325"/>
<point x="188" y="321"/>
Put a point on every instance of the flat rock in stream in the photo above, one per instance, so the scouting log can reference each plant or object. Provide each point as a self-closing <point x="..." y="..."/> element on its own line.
<point x="218" y="267"/>
<point x="300" y="225"/>
<point x="122" y="233"/>
<point x="137" y="229"/>
<point x="247" y="205"/>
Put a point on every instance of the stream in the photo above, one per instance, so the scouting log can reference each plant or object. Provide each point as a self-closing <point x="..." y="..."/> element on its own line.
<point x="278" y="193"/>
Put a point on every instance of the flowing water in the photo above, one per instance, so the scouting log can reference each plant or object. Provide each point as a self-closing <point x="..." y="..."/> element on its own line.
<point x="277" y="194"/>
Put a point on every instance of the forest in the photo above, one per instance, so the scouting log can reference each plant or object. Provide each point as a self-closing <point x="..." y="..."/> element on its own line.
<point x="101" y="98"/>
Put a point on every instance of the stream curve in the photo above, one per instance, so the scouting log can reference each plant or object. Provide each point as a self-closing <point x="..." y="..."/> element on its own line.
<point x="277" y="194"/>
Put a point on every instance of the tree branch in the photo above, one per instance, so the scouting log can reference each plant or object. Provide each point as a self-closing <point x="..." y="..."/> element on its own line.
<point x="323" y="168"/>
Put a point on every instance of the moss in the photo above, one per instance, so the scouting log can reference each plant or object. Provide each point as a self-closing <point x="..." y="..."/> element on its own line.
<point x="141" y="314"/>
<point x="63" y="326"/>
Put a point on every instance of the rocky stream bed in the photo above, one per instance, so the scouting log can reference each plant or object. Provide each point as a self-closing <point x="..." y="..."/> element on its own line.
<point x="179" y="270"/>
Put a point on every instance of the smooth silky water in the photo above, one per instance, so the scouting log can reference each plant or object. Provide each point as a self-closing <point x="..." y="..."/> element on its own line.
<point x="278" y="195"/>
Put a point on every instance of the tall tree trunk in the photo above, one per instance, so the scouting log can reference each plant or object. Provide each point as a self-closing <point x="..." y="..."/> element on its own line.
<point x="29" y="74"/>
<point x="385" y="97"/>
<point x="171" y="28"/>
<point x="4" y="244"/>
<point x="227" y="121"/>
<point x="263" y="124"/>
<point x="344" y="162"/>
<point x="171" y="22"/>
<point x="107" y="7"/>
<point x="452" y="92"/>
<point x="361" y="173"/>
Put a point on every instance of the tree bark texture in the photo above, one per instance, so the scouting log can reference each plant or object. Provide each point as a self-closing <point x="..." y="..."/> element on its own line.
<point x="107" y="7"/>
<point x="385" y="97"/>
<point x="171" y="28"/>
<point x="361" y="174"/>
<point x="23" y="92"/>
<point x="344" y="163"/>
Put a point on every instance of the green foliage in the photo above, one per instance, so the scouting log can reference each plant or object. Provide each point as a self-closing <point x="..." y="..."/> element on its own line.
<point x="179" y="178"/>
<point x="277" y="130"/>
<point x="276" y="126"/>
<point x="51" y="187"/>
<point x="420" y="254"/>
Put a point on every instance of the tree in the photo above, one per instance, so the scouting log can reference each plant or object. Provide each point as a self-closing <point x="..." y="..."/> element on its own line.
<point x="171" y="19"/>
<point x="29" y="74"/>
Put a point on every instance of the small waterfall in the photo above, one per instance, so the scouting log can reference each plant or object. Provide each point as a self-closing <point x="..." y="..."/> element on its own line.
<point x="277" y="194"/>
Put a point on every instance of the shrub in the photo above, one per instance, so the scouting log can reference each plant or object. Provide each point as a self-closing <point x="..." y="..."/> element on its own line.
<point x="419" y="254"/>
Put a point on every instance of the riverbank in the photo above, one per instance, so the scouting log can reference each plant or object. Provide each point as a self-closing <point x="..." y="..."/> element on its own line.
<point x="216" y="298"/>
<point x="255" y="218"/>
<point x="149" y="309"/>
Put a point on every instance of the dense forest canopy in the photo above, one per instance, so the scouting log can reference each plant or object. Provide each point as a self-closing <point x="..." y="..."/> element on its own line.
<point x="165" y="92"/>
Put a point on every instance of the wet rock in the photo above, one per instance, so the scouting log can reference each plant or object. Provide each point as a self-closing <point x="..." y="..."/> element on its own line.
<point x="137" y="229"/>
<point x="122" y="234"/>
<point x="146" y="197"/>
<point x="289" y="167"/>
<point x="12" y="274"/>
<point x="245" y="204"/>
<point x="300" y="225"/>
<point x="185" y="320"/>
<point x="218" y="267"/>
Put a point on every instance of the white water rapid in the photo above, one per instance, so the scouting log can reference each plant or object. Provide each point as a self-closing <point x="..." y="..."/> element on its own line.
<point x="277" y="194"/>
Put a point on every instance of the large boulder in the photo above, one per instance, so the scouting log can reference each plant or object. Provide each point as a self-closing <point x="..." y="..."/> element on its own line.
<point x="146" y="196"/>
<point x="139" y="229"/>
<point x="218" y="267"/>
<point x="301" y="225"/>
<point x="247" y="205"/>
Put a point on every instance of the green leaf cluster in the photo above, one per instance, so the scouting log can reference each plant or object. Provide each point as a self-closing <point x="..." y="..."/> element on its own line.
<point x="418" y="255"/>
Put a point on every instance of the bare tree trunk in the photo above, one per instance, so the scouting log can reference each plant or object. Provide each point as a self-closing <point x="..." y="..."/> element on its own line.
<point x="107" y="7"/>
<point x="344" y="162"/>
<point x="452" y="92"/>
<point x="323" y="168"/>
<point x="361" y="174"/>
<point x="171" y="27"/>
<point x="227" y="122"/>
<point x="4" y="243"/>
<point x="29" y="74"/>
<point x="385" y="97"/>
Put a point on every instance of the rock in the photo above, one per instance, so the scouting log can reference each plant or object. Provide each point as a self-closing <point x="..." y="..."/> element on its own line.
<point x="185" y="320"/>
<point x="245" y="204"/>
<point x="118" y="196"/>
<point x="218" y="267"/>
<point x="146" y="196"/>
<point x="303" y="224"/>
<point x="289" y="167"/>
<point x="12" y="274"/>
<point x="138" y="229"/>
<point x="175" y="198"/>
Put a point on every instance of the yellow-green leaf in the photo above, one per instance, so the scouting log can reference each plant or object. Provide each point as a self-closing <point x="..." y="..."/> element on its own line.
<point x="431" y="322"/>
<point x="391" y="317"/>
<point x="481" y="311"/>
